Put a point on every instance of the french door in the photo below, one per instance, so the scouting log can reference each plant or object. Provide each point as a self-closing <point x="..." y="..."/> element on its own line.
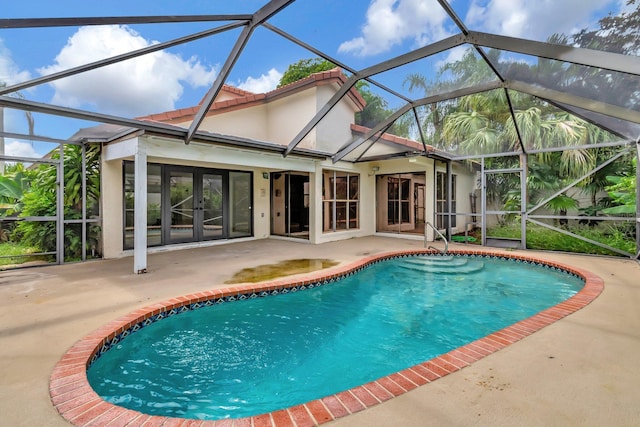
<point x="400" y="200"/>
<point x="196" y="205"/>
<point x="206" y="204"/>
<point x="190" y="204"/>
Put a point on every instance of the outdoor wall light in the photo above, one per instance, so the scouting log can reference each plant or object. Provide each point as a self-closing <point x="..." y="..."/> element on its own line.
<point x="265" y="175"/>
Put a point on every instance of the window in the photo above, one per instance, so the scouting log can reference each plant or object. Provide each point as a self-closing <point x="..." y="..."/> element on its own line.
<point x="154" y="204"/>
<point x="340" y="201"/>
<point x="441" y="200"/>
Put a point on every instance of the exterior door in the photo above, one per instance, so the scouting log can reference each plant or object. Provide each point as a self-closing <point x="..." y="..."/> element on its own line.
<point x="210" y="209"/>
<point x="181" y="212"/>
<point x="290" y="204"/>
<point x="419" y="206"/>
<point x="400" y="203"/>
<point x="394" y="214"/>
<point x="196" y="205"/>
<point x="190" y="204"/>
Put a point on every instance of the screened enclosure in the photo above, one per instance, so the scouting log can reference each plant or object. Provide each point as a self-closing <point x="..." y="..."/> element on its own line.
<point x="540" y="105"/>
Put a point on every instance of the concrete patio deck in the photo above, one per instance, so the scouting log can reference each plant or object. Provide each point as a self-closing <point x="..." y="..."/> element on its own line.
<point x="581" y="370"/>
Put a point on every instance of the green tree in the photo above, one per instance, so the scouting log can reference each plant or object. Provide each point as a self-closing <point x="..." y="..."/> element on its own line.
<point x="469" y="70"/>
<point x="616" y="33"/>
<point x="13" y="184"/>
<point x="40" y="200"/>
<point x="483" y="124"/>
<point x="622" y="190"/>
<point x="376" y="109"/>
<point x="304" y="68"/>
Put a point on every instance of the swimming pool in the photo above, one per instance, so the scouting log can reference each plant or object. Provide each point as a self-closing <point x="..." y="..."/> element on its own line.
<point x="410" y="375"/>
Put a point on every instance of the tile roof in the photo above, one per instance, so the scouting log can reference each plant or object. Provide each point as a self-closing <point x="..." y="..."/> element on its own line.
<point x="394" y="139"/>
<point x="246" y="99"/>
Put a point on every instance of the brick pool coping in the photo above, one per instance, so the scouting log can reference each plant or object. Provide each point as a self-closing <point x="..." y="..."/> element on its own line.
<point x="78" y="403"/>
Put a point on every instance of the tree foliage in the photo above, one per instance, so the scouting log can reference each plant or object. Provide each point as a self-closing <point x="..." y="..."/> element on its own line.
<point x="13" y="185"/>
<point x="483" y="123"/>
<point x="376" y="107"/>
<point x="39" y="200"/>
<point x="304" y="68"/>
<point x="616" y="33"/>
<point x="622" y="190"/>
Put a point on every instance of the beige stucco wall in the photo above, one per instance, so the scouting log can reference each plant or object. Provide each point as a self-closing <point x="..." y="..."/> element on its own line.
<point x="334" y="130"/>
<point x="368" y="198"/>
<point x="280" y="120"/>
<point x="112" y="208"/>
<point x="287" y="116"/>
<point x="247" y="123"/>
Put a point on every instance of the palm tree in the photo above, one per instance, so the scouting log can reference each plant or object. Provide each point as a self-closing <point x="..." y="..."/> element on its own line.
<point x="483" y="124"/>
<point x="468" y="71"/>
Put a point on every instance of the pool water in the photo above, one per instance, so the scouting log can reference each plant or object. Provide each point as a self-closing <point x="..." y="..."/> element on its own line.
<point x="254" y="356"/>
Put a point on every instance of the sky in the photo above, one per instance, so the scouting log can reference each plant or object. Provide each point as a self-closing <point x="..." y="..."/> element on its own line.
<point x="358" y="33"/>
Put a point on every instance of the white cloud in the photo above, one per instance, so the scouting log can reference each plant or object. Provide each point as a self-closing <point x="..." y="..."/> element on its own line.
<point x="146" y="84"/>
<point x="262" y="84"/>
<point x="532" y="20"/>
<point x="20" y="149"/>
<point x="9" y="71"/>
<point x="453" y="55"/>
<point x="392" y="22"/>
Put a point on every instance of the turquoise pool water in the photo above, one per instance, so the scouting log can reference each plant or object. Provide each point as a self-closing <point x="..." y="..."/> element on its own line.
<point x="249" y="357"/>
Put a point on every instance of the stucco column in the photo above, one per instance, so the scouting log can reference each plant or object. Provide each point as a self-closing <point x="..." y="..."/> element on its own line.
<point x="140" y="210"/>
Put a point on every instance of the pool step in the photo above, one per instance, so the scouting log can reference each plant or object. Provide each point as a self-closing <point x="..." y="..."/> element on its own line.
<point x="449" y="260"/>
<point x="452" y="266"/>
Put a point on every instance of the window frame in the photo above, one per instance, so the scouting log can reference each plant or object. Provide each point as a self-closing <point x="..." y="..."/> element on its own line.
<point x="441" y="200"/>
<point x="340" y="209"/>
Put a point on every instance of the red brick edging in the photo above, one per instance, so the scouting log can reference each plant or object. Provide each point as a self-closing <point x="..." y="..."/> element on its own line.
<point x="77" y="402"/>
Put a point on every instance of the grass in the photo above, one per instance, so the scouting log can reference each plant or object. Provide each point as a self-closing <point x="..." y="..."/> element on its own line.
<point x="545" y="239"/>
<point x="14" y="253"/>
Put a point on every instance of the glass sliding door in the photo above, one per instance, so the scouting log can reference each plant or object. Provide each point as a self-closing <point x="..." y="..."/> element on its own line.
<point x="208" y="204"/>
<point x="181" y="205"/>
<point x="398" y="201"/>
<point x="212" y="206"/>
<point x="419" y="206"/>
<point x="290" y="204"/>
<point x="240" y="191"/>
<point x="189" y="204"/>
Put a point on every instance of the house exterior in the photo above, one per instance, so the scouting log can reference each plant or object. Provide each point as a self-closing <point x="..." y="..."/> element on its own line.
<point x="158" y="191"/>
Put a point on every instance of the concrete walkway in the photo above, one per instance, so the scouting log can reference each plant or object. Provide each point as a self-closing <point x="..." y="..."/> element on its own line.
<point x="582" y="370"/>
